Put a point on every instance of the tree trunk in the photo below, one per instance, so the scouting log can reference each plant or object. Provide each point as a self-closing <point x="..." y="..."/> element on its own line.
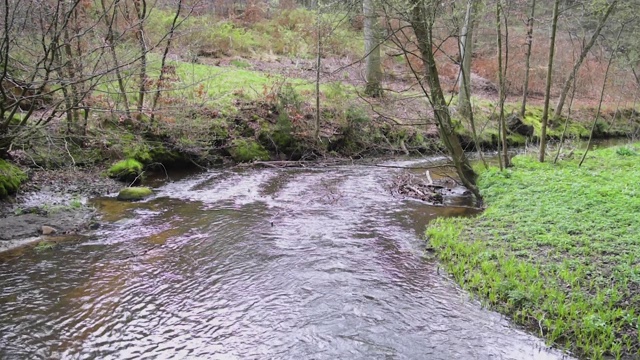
<point x="372" y="50"/>
<point x="466" y="52"/>
<point x="566" y="121"/>
<point x="583" y="55"/>
<point x="501" y="87"/>
<point x="547" y="92"/>
<point x="141" y="11"/>
<point x="318" y="66"/>
<point x="422" y="24"/>
<point x="110" y="21"/>
<point x="163" y="61"/>
<point x="525" y="87"/>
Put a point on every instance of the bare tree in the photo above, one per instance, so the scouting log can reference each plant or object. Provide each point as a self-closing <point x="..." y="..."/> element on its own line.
<point x="466" y="53"/>
<point x="525" y="87"/>
<point x="502" y="70"/>
<point x="585" y="51"/>
<point x="372" y="50"/>
<point x="604" y="86"/>
<point x="54" y="55"/>
<point x="547" y="92"/>
<point x="421" y="16"/>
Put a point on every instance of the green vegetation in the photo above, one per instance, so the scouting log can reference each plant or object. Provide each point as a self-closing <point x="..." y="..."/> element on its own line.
<point x="244" y="150"/>
<point x="10" y="178"/>
<point x="609" y="124"/>
<point x="557" y="249"/>
<point x="126" y="170"/>
<point x="287" y="33"/>
<point x="44" y="246"/>
<point x="134" y="193"/>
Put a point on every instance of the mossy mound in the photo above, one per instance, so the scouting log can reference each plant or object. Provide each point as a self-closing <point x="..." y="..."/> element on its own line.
<point x="244" y="150"/>
<point x="126" y="170"/>
<point x="134" y="193"/>
<point x="10" y="178"/>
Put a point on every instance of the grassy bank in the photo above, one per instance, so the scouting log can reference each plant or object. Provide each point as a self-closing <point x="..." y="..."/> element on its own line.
<point x="612" y="122"/>
<point x="557" y="249"/>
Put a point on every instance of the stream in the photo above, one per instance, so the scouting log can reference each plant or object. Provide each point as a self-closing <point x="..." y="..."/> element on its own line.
<point x="253" y="264"/>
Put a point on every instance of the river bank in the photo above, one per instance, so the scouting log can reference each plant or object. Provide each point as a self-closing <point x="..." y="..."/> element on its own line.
<point x="52" y="202"/>
<point x="556" y="249"/>
<point x="58" y="197"/>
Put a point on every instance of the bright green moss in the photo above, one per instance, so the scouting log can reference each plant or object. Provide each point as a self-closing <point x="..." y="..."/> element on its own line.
<point x="10" y="178"/>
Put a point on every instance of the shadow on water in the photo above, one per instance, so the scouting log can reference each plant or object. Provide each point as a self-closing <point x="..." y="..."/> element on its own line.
<point x="253" y="264"/>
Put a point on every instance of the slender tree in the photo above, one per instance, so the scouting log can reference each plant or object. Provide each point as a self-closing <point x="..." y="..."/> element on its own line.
<point x="585" y="51"/>
<point x="318" y="66"/>
<point x="422" y="16"/>
<point x="604" y="86"/>
<point x="501" y="86"/>
<point x="525" y="87"/>
<point x="547" y="92"/>
<point x="466" y="51"/>
<point x="372" y="50"/>
<point x="141" y="13"/>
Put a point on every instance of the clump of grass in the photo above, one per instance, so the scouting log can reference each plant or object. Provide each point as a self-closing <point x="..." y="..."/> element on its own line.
<point x="626" y="151"/>
<point x="44" y="246"/>
<point x="240" y="63"/>
<point x="557" y="249"/>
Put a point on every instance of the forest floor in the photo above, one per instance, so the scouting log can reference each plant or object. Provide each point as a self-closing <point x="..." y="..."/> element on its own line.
<point x="556" y="249"/>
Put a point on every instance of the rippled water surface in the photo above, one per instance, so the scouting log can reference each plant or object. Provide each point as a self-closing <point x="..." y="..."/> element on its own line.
<point x="253" y="264"/>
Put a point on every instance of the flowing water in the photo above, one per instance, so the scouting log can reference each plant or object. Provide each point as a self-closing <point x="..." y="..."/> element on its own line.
<point x="252" y="264"/>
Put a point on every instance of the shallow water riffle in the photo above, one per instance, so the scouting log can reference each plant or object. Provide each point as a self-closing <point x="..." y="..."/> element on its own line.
<point x="253" y="264"/>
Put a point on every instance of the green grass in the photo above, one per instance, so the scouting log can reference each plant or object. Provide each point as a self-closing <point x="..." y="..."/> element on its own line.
<point x="558" y="249"/>
<point x="221" y="88"/>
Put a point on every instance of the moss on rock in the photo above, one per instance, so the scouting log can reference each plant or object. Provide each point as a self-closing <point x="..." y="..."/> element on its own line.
<point x="244" y="150"/>
<point x="126" y="170"/>
<point x="10" y="178"/>
<point x="134" y="193"/>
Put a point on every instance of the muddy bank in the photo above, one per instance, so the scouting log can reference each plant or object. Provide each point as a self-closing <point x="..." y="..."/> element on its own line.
<point x="55" y="200"/>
